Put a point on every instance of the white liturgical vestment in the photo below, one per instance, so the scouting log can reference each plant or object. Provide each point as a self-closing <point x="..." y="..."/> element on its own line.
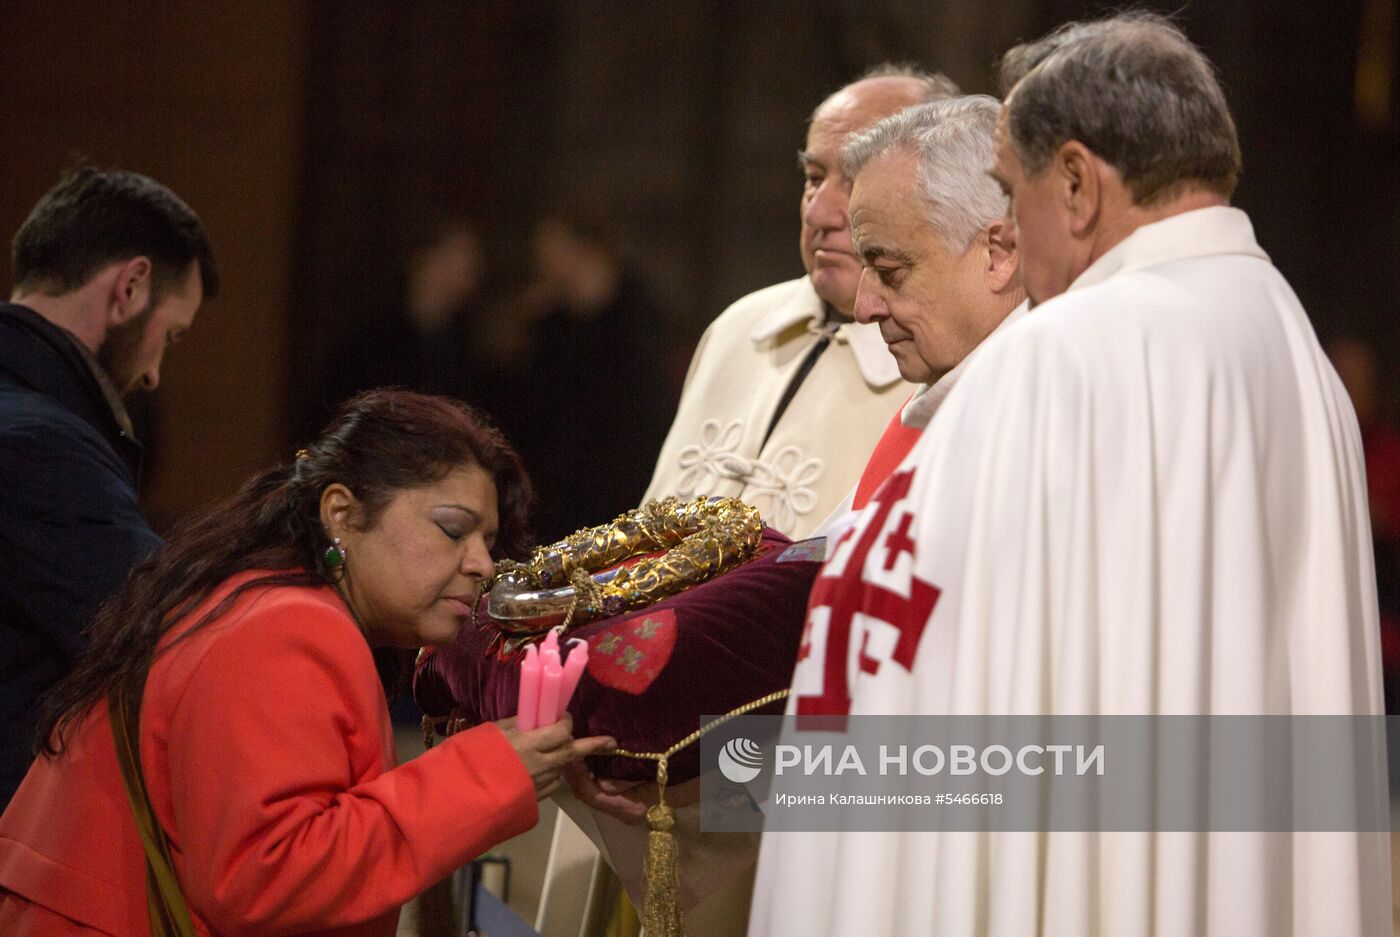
<point x="1147" y="496"/>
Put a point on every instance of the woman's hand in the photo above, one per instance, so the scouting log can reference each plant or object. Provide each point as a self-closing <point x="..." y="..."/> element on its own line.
<point x="549" y="750"/>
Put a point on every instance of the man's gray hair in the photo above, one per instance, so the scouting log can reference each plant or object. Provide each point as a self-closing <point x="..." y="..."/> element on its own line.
<point x="934" y="86"/>
<point x="953" y="140"/>
<point x="1133" y="89"/>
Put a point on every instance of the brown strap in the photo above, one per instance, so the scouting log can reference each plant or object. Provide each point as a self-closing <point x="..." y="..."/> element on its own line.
<point x="170" y="916"/>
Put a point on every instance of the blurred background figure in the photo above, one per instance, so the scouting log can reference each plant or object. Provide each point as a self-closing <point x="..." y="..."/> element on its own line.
<point x="1357" y="365"/>
<point x="424" y="342"/>
<point x="583" y="386"/>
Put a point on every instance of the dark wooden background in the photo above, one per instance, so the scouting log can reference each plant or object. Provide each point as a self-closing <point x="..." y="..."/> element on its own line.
<point x="309" y="134"/>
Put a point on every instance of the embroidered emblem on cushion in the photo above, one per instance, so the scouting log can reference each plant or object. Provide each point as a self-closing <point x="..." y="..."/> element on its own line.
<point x="631" y="653"/>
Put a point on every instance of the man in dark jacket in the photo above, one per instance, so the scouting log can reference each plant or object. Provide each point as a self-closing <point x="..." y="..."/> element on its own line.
<point x="110" y="268"/>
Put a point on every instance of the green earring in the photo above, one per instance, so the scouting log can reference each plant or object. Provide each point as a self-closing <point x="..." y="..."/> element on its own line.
<point x="334" y="556"/>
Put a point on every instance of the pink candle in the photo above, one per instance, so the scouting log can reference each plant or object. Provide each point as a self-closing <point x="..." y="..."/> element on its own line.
<point x="574" y="666"/>
<point x="551" y="678"/>
<point x="549" y="653"/>
<point x="527" y="709"/>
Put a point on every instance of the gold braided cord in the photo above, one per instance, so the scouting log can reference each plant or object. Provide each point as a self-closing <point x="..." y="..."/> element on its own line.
<point x="695" y="736"/>
<point x="443" y="724"/>
<point x="661" y="906"/>
<point x="586" y="593"/>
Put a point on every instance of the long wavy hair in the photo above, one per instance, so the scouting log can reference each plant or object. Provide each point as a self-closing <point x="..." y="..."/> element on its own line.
<point x="379" y="444"/>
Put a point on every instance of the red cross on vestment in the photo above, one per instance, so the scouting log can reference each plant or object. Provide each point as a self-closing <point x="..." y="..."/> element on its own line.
<point x="850" y="592"/>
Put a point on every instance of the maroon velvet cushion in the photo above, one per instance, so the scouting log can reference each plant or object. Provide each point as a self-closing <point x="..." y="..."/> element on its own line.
<point x="652" y="673"/>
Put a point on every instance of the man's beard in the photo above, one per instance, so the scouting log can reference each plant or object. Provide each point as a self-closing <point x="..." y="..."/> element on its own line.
<point x="119" y="351"/>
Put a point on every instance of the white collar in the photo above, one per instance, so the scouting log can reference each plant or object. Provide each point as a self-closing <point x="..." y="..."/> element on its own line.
<point x="1202" y="232"/>
<point x="926" y="400"/>
<point x="873" y="359"/>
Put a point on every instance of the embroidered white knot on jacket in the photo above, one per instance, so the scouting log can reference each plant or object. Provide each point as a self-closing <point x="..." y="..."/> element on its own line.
<point x="703" y="464"/>
<point x="787" y="479"/>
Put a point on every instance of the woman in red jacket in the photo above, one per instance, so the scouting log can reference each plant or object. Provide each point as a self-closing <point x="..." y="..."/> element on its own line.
<point x="259" y="793"/>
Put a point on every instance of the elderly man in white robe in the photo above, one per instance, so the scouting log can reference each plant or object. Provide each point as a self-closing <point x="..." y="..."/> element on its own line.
<point x="939" y="272"/>
<point x="1144" y="497"/>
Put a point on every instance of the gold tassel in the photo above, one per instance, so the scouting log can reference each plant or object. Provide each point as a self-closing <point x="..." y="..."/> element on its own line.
<point x="661" y="905"/>
<point x="661" y="870"/>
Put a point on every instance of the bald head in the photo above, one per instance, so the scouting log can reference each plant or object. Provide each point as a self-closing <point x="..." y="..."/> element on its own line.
<point x="827" y="252"/>
<point x="882" y="95"/>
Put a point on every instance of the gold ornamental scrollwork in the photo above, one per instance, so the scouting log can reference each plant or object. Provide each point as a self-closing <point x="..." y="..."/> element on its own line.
<point x="577" y="580"/>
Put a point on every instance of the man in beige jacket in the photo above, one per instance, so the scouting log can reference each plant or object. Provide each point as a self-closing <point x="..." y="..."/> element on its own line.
<point x="786" y="395"/>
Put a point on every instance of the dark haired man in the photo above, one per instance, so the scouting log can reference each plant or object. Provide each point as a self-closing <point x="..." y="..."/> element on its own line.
<point x="110" y="268"/>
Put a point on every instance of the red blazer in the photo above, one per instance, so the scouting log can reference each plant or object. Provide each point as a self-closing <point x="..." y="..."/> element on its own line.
<point x="269" y="758"/>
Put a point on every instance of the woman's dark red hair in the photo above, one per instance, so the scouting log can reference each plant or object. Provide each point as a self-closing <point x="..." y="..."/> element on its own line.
<point x="380" y="443"/>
